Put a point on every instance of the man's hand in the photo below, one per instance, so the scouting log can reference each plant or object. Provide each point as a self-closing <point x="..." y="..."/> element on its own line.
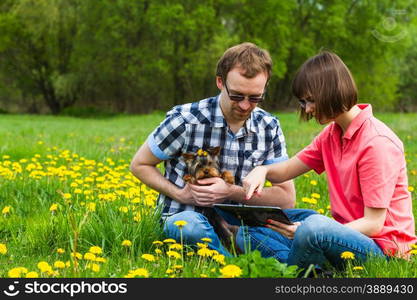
<point x="211" y="191"/>
<point x="284" y="229"/>
<point x="185" y="196"/>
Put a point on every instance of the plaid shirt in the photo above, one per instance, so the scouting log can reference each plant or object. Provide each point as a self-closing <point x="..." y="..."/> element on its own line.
<point x="201" y="125"/>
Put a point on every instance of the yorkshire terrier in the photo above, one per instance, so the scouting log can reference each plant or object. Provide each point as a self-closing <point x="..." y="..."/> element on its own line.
<point x="205" y="164"/>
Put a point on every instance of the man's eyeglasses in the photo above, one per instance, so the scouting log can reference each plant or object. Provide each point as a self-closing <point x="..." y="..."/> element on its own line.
<point x="303" y="102"/>
<point x="237" y="98"/>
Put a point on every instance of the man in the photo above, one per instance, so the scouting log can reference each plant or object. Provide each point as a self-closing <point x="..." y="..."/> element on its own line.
<point x="248" y="137"/>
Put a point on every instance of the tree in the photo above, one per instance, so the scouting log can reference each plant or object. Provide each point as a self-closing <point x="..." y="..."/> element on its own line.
<point x="36" y="50"/>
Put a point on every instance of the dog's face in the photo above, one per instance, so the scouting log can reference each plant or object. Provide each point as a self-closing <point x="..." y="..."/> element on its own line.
<point x="203" y="164"/>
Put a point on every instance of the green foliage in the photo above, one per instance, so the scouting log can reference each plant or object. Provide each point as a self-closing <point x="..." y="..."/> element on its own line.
<point x="140" y="56"/>
<point x="253" y="265"/>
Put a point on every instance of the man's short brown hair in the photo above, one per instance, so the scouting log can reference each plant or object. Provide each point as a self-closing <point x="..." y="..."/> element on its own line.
<point x="327" y="81"/>
<point x="252" y="59"/>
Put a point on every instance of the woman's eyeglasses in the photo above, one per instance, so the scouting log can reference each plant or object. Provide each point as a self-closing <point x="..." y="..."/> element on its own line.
<point x="253" y="99"/>
<point x="303" y="102"/>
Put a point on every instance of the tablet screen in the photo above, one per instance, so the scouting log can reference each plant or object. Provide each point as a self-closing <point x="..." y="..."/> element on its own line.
<point x="255" y="215"/>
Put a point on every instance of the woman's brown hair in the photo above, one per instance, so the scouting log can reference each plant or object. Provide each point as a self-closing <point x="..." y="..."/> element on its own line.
<point x="327" y="81"/>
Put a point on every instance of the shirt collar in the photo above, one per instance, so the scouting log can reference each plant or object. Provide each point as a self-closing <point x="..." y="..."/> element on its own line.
<point x="364" y="115"/>
<point x="218" y="119"/>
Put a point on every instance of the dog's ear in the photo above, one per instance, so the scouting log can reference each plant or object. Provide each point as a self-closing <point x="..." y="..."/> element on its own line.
<point x="214" y="151"/>
<point x="188" y="156"/>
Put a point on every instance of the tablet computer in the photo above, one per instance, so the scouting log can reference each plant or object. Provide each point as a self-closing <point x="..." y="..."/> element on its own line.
<point x="255" y="215"/>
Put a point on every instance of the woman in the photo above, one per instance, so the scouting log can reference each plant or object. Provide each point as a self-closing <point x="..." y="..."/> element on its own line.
<point x="366" y="173"/>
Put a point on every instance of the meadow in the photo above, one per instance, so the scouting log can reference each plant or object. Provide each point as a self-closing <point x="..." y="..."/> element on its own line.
<point x="69" y="206"/>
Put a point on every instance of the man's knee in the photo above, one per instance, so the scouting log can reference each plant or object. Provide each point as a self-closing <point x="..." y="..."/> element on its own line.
<point x="195" y="229"/>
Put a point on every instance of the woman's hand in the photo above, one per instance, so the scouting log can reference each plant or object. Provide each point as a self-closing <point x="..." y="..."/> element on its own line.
<point x="254" y="181"/>
<point x="284" y="229"/>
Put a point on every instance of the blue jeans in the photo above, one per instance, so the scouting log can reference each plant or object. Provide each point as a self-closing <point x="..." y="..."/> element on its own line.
<point x="197" y="227"/>
<point x="317" y="240"/>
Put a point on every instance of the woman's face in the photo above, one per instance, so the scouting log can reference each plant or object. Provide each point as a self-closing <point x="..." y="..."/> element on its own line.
<point x="310" y="108"/>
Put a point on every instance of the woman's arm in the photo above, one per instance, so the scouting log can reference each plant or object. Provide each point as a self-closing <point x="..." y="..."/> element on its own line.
<point x="371" y="223"/>
<point x="276" y="173"/>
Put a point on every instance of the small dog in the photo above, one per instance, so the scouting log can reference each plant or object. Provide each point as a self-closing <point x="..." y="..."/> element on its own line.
<point x="205" y="164"/>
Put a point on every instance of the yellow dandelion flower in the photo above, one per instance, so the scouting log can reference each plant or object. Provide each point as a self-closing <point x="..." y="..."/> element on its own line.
<point x="17" y="272"/>
<point x="6" y="210"/>
<point x="44" y="267"/>
<point x="3" y="249"/>
<point x="413" y="172"/>
<point x="201" y="245"/>
<point x="141" y="272"/>
<point x="315" y="195"/>
<point x="158" y="251"/>
<point x="173" y="254"/>
<point x="60" y="251"/>
<point x="169" y="241"/>
<point x="59" y="264"/>
<point x="357" y="268"/>
<point x="94" y="267"/>
<point x="413" y="252"/>
<point x="90" y="256"/>
<point x="169" y="271"/>
<point x="77" y="255"/>
<point x="67" y="196"/>
<point x="123" y="209"/>
<point x="206" y="239"/>
<point x="148" y="257"/>
<point x="53" y="208"/>
<point x="126" y="243"/>
<point x="178" y="267"/>
<point x="411" y="188"/>
<point x="313" y="182"/>
<point x="219" y="258"/>
<point x="95" y="250"/>
<point x="91" y="206"/>
<point x="231" y="271"/>
<point x="203" y="275"/>
<point x="414" y="246"/>
<point x="175" y="246"/>
<point x="100" y="259"/>
<point x="32" y="274"/>
<point x="204" y="252"/>
<point x="180" y="223"/>
<point x="320" y="211"/>
<point x="347" y="255"/>
<point x="191" y="253"/>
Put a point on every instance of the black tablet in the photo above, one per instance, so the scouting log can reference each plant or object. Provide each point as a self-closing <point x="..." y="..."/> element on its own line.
<point x="255" y="215"/>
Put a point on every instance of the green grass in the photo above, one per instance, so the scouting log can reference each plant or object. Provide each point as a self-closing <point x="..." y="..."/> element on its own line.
<point x="57" y="153"/>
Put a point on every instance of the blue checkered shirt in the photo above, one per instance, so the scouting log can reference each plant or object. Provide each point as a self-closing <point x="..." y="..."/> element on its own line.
<point x="201" y="125"/>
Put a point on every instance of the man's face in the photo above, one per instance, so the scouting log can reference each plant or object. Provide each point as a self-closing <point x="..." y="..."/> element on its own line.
<point x="237" y="84"/>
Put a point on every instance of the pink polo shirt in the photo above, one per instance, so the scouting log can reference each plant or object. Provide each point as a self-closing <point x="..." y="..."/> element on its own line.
<point x="366" y="167"/>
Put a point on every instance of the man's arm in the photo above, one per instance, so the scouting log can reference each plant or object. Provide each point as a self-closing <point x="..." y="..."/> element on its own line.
<point x="216" y="190"/>
<point x="143" y="166"/>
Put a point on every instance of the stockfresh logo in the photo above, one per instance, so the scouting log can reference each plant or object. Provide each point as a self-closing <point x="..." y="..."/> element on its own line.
<point x="12" y="289"/>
